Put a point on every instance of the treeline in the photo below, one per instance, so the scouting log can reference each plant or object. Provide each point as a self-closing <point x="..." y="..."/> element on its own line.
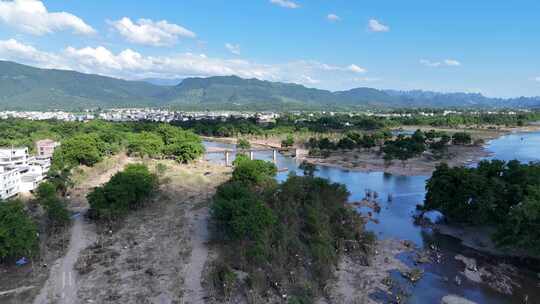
<point x="455" y="120"/>
<point x="400" y="147"/>
<point x="341" y="122"/>
<point x="287" y="237"/>
<point x="505" y="195"/>
<point x="88" y="143"/>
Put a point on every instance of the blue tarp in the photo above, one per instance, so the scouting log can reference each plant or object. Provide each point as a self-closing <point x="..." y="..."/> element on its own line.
<point x="21" y="262"/>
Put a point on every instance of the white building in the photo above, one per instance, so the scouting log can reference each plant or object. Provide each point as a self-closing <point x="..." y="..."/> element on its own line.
<point x="13" y="157"/>
<point x="10" y="181"/>
<point x="19" y="172"/>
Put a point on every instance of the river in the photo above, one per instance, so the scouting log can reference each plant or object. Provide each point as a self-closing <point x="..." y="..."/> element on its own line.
<point x="395" y="221"/>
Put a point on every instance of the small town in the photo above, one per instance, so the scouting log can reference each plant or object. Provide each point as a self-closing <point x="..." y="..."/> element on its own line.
<point x="163" y="115"/>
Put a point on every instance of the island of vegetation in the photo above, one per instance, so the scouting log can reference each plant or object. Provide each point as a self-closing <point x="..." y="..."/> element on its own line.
<point x="502" y="197"/>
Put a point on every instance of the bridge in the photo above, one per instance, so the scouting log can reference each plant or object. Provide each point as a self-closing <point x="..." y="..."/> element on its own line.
<point x="250" y="152"/>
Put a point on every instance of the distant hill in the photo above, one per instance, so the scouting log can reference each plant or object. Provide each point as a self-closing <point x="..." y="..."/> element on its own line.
<point x="28" y="88"/>
<point x="24" y="87"/>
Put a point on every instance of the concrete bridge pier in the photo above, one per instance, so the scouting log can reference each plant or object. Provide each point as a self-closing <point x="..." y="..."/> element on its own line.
<point x="227" y="154"/>
<point x="274" y="156"/>
<point x="251" y="155"/>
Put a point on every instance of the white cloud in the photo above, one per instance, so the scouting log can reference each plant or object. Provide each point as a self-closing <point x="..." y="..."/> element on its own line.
<point x="375" y="26"/>
<point x="356" y="69"/>
<point x="130" y="64"/>
<point x="285" y="3"/>
<point x="333" y="18"/>
<point x="436" y="64"/>
<point x="16" y="51"/>
<point x="233" y="48"/>
<point x="31" y="16"/>
<point x="305" y="79"/>
<point x="148" y="32"/>
<point x="452" y="62"/>
<point x="537" y="79"/>
<point x="430" y="63"/>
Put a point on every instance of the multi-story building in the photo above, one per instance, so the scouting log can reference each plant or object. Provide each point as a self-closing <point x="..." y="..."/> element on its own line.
<point x="13" y="157"/>
<point x="21" y="173"/>
<point x="10" y="181"/>
<point x="45" y="147"/>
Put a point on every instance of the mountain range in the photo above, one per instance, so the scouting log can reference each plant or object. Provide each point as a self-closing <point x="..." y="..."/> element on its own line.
<point x="28" y="88"/>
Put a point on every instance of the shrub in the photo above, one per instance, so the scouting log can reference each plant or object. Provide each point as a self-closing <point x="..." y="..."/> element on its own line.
<point x="253" y="171"/>
<point x="125" y="191"/>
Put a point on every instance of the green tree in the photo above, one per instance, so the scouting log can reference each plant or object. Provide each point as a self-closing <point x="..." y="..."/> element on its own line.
<point x="501" y="194"/>
<point x="82" y="149"/>
<point x="18" y="233"/>
<point x="243" y="144"/>
<point x="145" y="144"/>
<point x="241" y="212"/>
<point x="288" y="142"/>
<point x="461" y="138"/>
<point x="254" y="172"/>
<point x="308" y="168"/>
<point x="522" y="226"/>
<point x="57" y="213"/>
<point x="125" y="191"/>
<point x="184" y="152"/>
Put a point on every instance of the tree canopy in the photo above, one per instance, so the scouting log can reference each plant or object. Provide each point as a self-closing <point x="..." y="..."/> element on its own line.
<point x="18" y="233"/>
<point x="293" y="232"/>
<point x="496" y="193"/>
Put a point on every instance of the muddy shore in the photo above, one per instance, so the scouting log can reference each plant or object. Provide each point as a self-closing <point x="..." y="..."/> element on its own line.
<point x="479" y="239"/>
<point x="372" y="161"/>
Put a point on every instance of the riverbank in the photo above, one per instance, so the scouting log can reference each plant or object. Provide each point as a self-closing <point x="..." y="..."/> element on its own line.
<point x="357" y="283"/>
<point x="479" y="239"/>
<point x="372" y="161"/>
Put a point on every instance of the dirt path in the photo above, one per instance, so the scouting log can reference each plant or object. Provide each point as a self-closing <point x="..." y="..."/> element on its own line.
<point x="159" y="252"/>
<point x="62" y="285"/>
<point x="194" y="292"/>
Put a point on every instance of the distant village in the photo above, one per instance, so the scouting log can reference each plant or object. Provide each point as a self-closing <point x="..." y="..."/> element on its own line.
<point x="161" y="115"/>
<point x="138" y="114"/>
<point x="21" y="172"/>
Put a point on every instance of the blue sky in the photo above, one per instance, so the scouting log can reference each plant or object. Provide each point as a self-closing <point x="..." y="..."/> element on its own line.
<point x="491" y="47"/>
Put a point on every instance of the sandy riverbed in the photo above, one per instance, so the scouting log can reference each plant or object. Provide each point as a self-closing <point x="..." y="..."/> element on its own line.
<point x="372" y="161"/>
